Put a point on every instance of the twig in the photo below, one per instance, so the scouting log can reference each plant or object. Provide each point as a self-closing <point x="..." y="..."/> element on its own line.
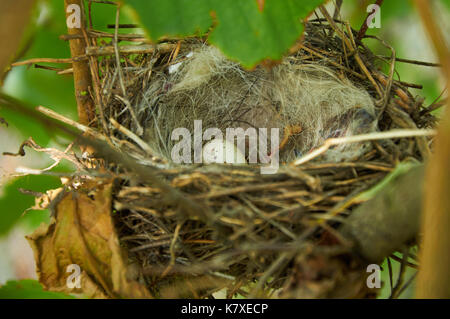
<point x="409" y="264"/>
<point x="398" y="285"/>
<point x="133" y="137"/>
<point x="116" y="53"/>
<point x="66" y="71"/>
<point x="391" y="279"/>
<point x="79" y="126"/>
<point x="365" y="25"/>
<point x="434" y="106"/>
<point x="390" y="78"/>
<point x="407" y="284"/>
<point x="361" y="138"/>
<point x="435" y="33"/>
<point x="337" y="9"/>
<point x="172" y="249"/>
<point x="358" y="59"/>
<point x="45" y="67"/>
<point x="131" y="49"/>
<point x="437" y="65"/>
<point x="122" y="26"/>
<point x="398" y="91"/>
<point x="282" y="259"/>
<point x="104" y="2"/>
<point x="335" y="64"/>
<point x="101" y="34"/>
<point x="410" y="85"/>
<point x="139" y="128"/>
<point x="41" y="60"/>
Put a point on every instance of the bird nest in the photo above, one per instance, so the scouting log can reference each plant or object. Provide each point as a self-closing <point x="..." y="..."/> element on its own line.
<point x="208" y="229"/>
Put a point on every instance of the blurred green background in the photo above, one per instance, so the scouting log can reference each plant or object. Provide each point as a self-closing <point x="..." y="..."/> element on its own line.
<point x="400" y="27"/>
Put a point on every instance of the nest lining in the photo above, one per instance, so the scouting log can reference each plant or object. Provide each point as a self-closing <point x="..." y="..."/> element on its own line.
<point x="307" y="97"/>
<point x="266" y="229"/>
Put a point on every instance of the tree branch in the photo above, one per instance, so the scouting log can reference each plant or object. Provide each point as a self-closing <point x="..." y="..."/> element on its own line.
<point x="434" y="273"/>
<point x="388" y="221"/>
<point x="81" y="70"/>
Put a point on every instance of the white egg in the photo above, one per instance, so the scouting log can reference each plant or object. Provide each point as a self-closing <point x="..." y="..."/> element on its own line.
<point x="217" y="151"/>
<point x="174" y="67"/>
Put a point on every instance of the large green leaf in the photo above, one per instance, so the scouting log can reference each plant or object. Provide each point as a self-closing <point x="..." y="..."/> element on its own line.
<point x="247" y="30"/>
<point x="28" y="289"/>
<point x="173" y="17"/>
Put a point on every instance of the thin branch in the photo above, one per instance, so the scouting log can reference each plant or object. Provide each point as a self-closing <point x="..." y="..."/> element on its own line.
<point x="437" y="65"/>
<point x="41" y="60"/>
<point x="365" y="25"/>
<point x="337" y="9"/>
<point x="397" y="288"/>
<point x="85" y="129"/>
<point x="133" y="137"/>
<point x="131" y="49"/>
<point x="362" y="138"/>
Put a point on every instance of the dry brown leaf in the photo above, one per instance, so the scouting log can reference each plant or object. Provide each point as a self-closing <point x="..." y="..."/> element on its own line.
<point x="83" y="233"/>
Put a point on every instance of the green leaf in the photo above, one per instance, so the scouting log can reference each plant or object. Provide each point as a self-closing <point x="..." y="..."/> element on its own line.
<point x="28" y="289"/>
<point x="240" y="28"/>
<point x="104" y="15"/>
<point x="13" y="203"/>
<point x="173" y="17"/>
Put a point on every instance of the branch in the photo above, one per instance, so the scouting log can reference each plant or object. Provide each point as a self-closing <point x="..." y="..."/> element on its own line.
<point x="434" y="274"/>
<point x="388" y="221"/>
<point x="81" y="70"/>
<point x="365" y="26"/>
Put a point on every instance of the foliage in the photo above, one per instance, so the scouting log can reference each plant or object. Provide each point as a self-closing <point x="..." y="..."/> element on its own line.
<point x="28" y="289"/>
<point x="249" y="31"/>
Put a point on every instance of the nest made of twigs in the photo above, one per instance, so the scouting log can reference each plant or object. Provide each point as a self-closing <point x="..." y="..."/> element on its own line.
<point x="253" y="234"/>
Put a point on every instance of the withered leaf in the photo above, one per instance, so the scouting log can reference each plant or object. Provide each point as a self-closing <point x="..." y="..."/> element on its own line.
<point x="82" y="233"/>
